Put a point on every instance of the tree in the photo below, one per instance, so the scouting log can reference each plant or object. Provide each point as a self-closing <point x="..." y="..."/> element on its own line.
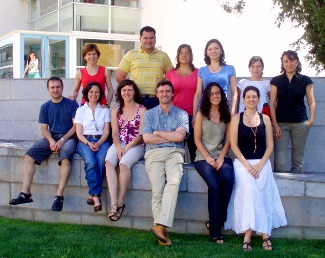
<point x="309" y="15"/>
<point x="306" y="14"/>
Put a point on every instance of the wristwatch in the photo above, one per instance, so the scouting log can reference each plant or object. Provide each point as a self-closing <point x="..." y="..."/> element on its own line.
<point x="62" y="139"/>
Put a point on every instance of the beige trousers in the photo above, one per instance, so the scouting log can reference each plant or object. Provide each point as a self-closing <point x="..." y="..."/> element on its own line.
<point x="165" y="169"/>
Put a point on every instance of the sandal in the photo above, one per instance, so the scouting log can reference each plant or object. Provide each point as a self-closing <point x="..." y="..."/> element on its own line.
<point x="207" y="224"/>
<point x="113" y="212"/>
<point x="118" y="213"/>
<point x="267" y="244"/>
<point x="22" y="198"/>
<point x="218" y="240"/>
<point x="98" y="207"/>
<point x="90" y="201"/>
<point x="247" y="246"/>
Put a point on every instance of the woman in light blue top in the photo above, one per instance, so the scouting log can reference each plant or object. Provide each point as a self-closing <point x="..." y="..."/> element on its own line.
<point x="217" y="71"/>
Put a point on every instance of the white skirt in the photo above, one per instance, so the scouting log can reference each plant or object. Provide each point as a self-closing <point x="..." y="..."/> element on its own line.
<point x="255" y="203"/>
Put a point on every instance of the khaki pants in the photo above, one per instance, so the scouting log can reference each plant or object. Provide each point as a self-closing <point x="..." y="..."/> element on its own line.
<point x="165" y="169"/>
<point x="297" y="133"/>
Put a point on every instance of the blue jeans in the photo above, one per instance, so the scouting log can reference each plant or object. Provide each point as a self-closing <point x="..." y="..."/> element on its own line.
<point x="220" y="184"/>
<point x="94" y="165"/>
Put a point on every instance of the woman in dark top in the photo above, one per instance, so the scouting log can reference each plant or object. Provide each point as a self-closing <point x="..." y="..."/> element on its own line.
<point x="255" y="203"/>
<point x="288" y="112"/>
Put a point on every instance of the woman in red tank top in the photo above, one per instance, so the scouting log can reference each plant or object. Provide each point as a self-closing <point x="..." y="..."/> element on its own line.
<point x="93" y="72"/>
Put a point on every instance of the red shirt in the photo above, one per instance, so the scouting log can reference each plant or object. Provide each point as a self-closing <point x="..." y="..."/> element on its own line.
<point x="185" y="87"/>
<point x="99" y="77"/>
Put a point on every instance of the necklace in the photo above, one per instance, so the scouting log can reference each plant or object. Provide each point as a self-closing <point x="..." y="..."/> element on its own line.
<point x="214" y="70"/>
<point x="254" y="132"/>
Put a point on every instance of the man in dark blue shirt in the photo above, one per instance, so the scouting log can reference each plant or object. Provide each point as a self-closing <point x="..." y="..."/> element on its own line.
<point x="56" y="119"/>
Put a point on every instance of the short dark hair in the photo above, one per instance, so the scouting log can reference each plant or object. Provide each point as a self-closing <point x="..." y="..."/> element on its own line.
<point x="88" y="88"/>
<point x="222" y="54"/>
<point x="253" y="88"/>
<point x="165" y="82"/>
<point x="292" y="55"/>
<point x="89" y="47"/>
<point x="147" y="29"/>
<point x="54" y="78"/>
<point x="118" y="95"/>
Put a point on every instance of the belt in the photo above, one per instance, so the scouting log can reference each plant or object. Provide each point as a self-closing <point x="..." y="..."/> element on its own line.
<point x="93" y="136"/>
<point x="148" y="96"/>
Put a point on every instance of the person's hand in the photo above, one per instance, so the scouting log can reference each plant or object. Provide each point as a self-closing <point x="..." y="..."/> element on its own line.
<point x="93" y="146"/>
<point x="277" y="132"/>
<point x="219" y="162"/>
<point x="255" y="170"/>
<point x="73" y="96"/>
<point x="53" y="145"/>
<point x="211" y="161"/>
<point x="310" y="123"/>
<point x="103" y="106"/>
<point x="120" y="152"/>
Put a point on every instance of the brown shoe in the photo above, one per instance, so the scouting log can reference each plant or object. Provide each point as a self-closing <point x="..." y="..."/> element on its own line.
<point x="159" y="232"/>
<point x="168" y="242"/>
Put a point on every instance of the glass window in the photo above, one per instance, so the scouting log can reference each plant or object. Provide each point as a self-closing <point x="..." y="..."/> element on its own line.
<point x="6" y="58"/>
<point x="111" y="52"/>
<point x="91" y="18"/>
<point x="32" y="10"/>
<point x="65" y="2"/>
<point x="48" y="22"/>
<point x="126" y="3"/>
<point x="57" y="65"/>
<point x="47" y="6"/>
<point x="126" y="21"/>
<point x="66" y="18"/>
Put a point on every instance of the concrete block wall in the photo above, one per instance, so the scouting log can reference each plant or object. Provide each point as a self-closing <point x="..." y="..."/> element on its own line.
<point x="303" y="197"/>
<point x="21" y="99"/>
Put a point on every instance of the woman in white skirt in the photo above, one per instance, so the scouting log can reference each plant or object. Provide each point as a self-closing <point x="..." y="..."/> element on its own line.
<point x="255" y="203"/>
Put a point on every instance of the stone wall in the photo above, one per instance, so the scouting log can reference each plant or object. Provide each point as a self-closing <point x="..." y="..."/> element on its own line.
<point x="303" y="198"/>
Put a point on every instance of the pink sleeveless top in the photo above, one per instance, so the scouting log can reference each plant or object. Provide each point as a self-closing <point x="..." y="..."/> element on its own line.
<point x="129" y="129"/>
<point x="99" y="77"/>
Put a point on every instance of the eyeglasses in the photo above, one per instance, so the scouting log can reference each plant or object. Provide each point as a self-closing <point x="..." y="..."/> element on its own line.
<point x="95" y="124"/>
<point x="216" y="93"/>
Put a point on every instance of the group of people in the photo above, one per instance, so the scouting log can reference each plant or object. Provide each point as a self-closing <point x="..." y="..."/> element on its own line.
<point x="161" y="107"/>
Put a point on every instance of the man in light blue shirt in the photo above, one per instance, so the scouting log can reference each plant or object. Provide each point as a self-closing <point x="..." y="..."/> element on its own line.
<point x="164" y="129"/>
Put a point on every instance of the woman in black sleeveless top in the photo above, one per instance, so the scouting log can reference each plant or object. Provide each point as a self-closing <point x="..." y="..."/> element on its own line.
<point x="255" y="203"/>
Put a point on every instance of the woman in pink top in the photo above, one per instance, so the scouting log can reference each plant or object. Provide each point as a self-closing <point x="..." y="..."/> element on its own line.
<point x="93" y="72"/>
<point x="184" y="79"/>
<point x="127" y="147"/>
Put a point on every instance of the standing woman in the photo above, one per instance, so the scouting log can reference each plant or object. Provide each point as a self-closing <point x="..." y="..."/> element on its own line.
<point x="212" y="161"/>
<point x="255" y="203"/>
<point x="93" y="72"/>
<point x="184" y="79"/>
<point x="92" y="128"/>
<point x="288" y="112"/>
<point x="127" y="147"/>
<point x="31" y="68"/>
<point x="256" y="67"/>
<point x="218" y="71"/>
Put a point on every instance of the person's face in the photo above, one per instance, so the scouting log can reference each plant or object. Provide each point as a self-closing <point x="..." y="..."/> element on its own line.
<point x="148" y="41"/>
<point x="91" y="57"/>
<point x="32" y="55"/>
<point x="127" y="93"/>
<point x="289" y="66"/>
<point x="256" y="69"/>
<point x="55" y="89"/>
<point x="184" y="56"/>
<point x="215" y="95"/>
<point x="214" y="51"/>
<point x="94" y="94"/>
<point x="165" y="94"/>
<point x="251" y="99"/>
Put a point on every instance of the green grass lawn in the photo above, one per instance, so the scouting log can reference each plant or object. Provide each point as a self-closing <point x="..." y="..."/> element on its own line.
<point x="19" y="238"/>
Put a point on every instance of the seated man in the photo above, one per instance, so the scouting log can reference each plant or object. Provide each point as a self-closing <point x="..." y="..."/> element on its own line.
<point x="164" y="130"/>
<point x="56" y="119"/>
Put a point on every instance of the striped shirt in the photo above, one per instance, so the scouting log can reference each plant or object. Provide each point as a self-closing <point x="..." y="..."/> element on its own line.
<point x="146" y="69"/>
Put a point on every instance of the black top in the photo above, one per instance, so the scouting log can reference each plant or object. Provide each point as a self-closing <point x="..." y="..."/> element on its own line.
<point x="290" y="96"/>
<point x="246" y="139"/>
